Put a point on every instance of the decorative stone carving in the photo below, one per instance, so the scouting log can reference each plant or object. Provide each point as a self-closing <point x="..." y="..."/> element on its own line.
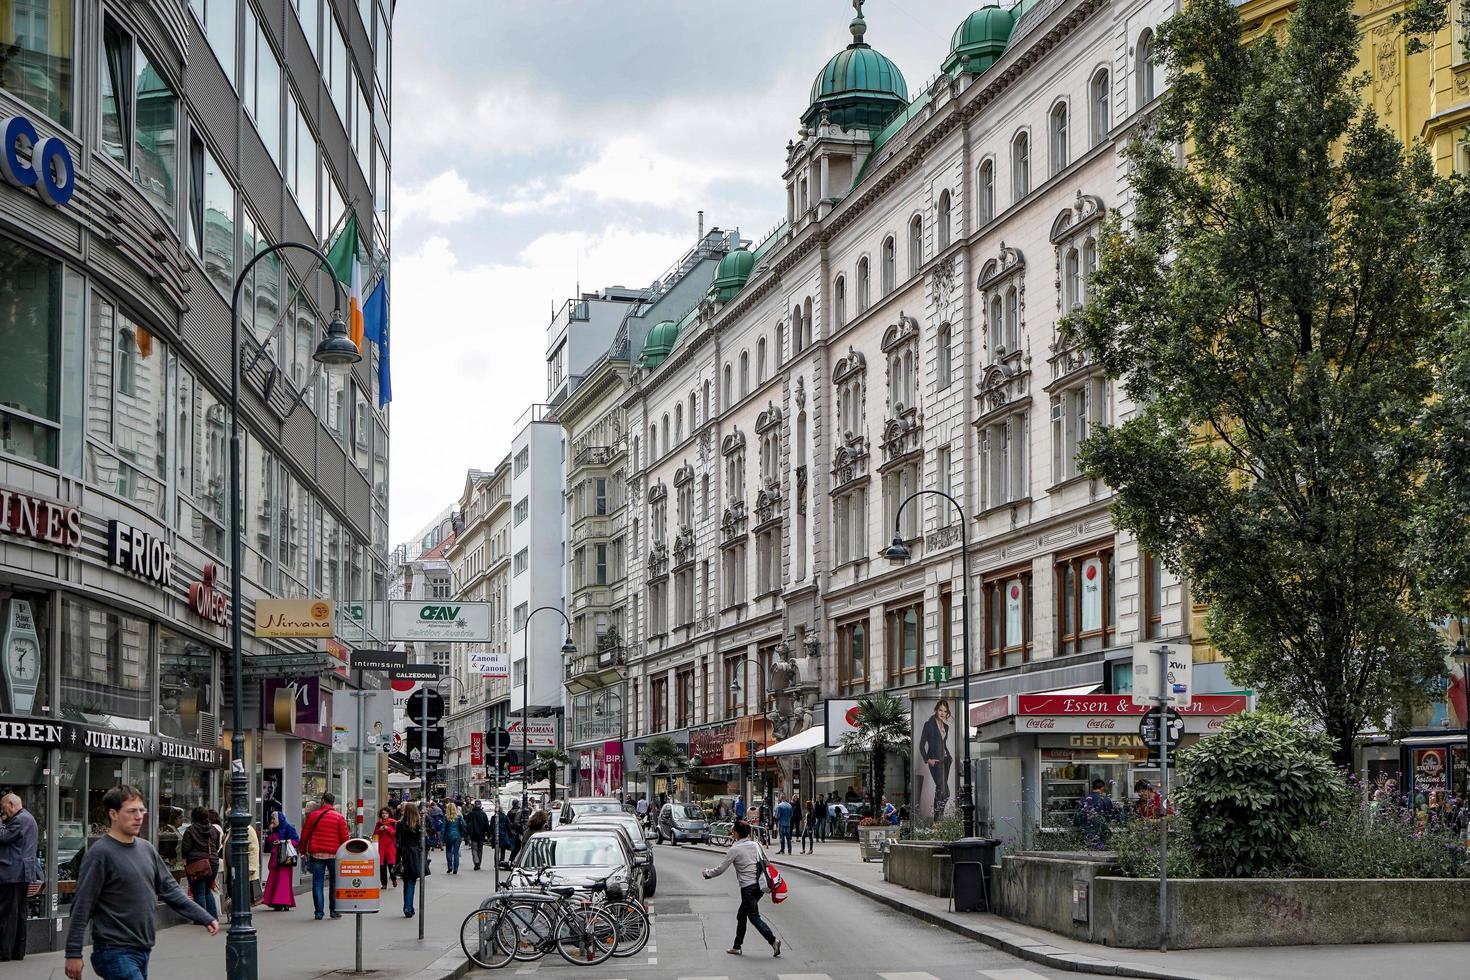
<point x="904" y="331"/>
<point x="902" y="436"/>
<point x="1010" y="260"/>
<point x="732" y="524"/>
<point x="846" y="367"/>
<point x="768" y="419"/>
<point x="683" y="475"/>
<point x="851" y="459"/>
<point x="1086" y="209"/>
<point x="800" y="391"/>
<point x="801" y="476"/>
<point x="733" y="443"/>
<point x="657" y="492"/>
<point x="658" y="560"/>
<point x="943" y="537"/>
<point x="768" y="503"/>
<point x="684" y="546"/>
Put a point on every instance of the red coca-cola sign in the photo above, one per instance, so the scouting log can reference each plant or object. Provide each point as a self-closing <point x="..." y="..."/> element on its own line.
<point x="1103" y="724"/>
<point x="1121" y="704"/>
<point x="1039" y="724"/>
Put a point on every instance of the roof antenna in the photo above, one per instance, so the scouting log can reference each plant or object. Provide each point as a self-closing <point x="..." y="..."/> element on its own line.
<point x="701" y="226"/>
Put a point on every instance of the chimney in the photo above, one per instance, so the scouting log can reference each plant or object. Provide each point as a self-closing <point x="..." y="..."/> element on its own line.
<point x="701" y="226"/>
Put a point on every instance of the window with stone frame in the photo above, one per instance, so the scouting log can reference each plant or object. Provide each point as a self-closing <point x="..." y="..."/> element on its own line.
<point x="888" y="268"/>
<point x="900" y="483"/>
<point x="849" y="525"/>
<point x="948" y="655"/>
<point x="768" y="561"/>
<point x="658" y="607"/>
<point x="1057" y="137"/>
<point x="852" y="657"/>
<point x="984" y="193"/>
<point x="684" y="489"/>
<point x="1002" y="297"/>
<point x="733" y="449"/>
<point x="1007" y="603"/>
<point x="1099" y="92"/>
<point x="904" y="638"/>
<point x="1020" y="166"/>
<point x="1003" y="458"/>
<point x="1151" y="588"/>
<point x="1086" y="596"/>
<point x="839" y="301"/>
<point x="684" y="697"/>
<point x="659" y="710"/>
<point x="943" y="356"/>
<point x="771" y="457"/>
<point x="864" y="285"/>
<point x="1077" y="409"/>
<point x="684" y="596"/>
<point x="658" y="506"/>
<point x="732" y="574"/>
<point x="1074" y="234"/>
<point x="736" y="692"/>
<point x="942" y="221"/>
<point x="916" y="244"/>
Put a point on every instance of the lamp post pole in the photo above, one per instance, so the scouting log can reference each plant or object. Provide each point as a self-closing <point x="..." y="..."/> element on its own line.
<point x="1462" y="656"/>
<point x="765" y="716"/>
<point x="568" y="649"/>
<point x="898" y="553"/>
<point x="610" y="694"/>
<point x="336" y="350"/>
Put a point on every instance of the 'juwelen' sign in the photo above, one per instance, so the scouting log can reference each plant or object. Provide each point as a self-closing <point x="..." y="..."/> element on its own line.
<point x="139" y="552"/>
<point x="47" y="165"/>
<point x="444" y="622"/>
<point x="73" y="737"/>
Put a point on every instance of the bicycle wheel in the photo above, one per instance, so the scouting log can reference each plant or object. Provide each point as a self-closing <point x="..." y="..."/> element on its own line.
<point x="488" y="938"/>
<point x="533" y="929"/>
<point x="585" y="935"/>
<point x="631" y="921"/>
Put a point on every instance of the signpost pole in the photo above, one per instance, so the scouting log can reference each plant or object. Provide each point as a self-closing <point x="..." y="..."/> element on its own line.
<point x="423" y="800"/>
<point x="359" y="694"/>
<point x="1163" y="701"/>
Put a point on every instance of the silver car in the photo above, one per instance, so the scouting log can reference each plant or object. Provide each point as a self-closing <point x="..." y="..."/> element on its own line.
<point x="682" y="822"/>
<point x="629" y="824"/>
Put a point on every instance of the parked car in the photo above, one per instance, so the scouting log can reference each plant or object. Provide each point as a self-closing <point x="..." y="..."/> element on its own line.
<point x="580" y="856"/>
<point x="678" y="822"/>
<point x="578" y="805"/>
<point x="637" y="839"/>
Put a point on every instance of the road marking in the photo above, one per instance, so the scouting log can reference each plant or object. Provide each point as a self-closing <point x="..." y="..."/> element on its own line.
<point x="1012" y="975"/>
<point x="804" y="976"/>
<point x="908" y="976"/>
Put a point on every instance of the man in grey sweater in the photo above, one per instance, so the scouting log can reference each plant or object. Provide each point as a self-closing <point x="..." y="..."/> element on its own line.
<point x="745" y="854"/>
<point x="120" y="882"/>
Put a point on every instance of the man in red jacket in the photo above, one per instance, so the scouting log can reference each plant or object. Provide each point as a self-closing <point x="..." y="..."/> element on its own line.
<point x="322" y="832"/>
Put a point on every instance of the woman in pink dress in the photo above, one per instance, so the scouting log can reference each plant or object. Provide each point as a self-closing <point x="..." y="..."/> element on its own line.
<point x="279" y="886"/>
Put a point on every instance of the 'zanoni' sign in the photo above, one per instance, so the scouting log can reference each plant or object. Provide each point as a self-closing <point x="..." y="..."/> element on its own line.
<point x="100" y="741"/>
<point x="443" y="621"/>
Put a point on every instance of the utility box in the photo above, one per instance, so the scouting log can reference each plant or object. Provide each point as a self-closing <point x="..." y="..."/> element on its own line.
<point x="357" y="876"/>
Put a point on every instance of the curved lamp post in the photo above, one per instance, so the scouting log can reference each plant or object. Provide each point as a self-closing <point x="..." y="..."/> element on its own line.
<point x="600" y="711"/>
<point x="568" y="649"/>
<point x="898" y="554"/>
<point x="335" y="352"/>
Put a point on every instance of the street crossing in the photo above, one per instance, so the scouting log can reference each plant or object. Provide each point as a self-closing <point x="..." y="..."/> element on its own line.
<point x="549" y="966"/>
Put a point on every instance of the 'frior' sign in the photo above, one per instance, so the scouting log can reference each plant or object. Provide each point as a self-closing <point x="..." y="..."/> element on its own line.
<point x="207" y="602"/>
<point x="46" y="164"/>
<point x="40" y="519"/>
<point x="139" y="552"/>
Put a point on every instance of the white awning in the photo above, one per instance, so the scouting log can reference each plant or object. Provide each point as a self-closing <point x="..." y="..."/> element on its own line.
<point x="803" y="741"/>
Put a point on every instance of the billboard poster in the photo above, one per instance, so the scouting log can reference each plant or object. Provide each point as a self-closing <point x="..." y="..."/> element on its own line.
<point x="1429" y="769"/>
<point x="935" y="771"/>
<point x="612" y="768"/>
<point x="477" y="748"/>
<point x="841" y="717"/>
<point x="540" y="733"/>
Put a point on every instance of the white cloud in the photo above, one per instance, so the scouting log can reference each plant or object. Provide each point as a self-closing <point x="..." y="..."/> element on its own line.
<point x="441" y="200"/>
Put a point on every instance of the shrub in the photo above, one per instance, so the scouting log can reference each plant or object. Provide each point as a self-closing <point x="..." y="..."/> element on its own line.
<point x="1248" y="793"/>
<point x="1357" y="840"/>
<point x="947" y="828"/>
<point x="1137" y="845"/>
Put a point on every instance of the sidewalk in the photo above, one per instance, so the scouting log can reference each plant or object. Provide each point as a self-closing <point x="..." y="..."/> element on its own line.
<point x="294" y="946"/>
<point x="840" y="862"/>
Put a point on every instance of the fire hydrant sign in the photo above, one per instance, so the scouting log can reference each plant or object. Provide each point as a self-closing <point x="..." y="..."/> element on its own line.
<point x="357" y="876"/>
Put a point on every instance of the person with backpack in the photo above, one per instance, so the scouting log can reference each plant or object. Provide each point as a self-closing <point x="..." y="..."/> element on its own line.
<point x="477" y="829"/>
<point x="750" y="866"/>
<point x="200" y="847"/>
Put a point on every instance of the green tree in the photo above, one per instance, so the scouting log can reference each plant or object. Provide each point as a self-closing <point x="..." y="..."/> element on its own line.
<point x="1269" y="307"/>
<point x="882" y="729"/>
<point x="660" y="753"/>
<point x="551" y="761"/>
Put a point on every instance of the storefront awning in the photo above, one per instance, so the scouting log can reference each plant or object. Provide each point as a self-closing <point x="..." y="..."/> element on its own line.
<point x="803" y="741"/>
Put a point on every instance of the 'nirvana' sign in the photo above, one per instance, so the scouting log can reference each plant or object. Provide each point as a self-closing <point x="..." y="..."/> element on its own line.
<point x="46" y="732"/>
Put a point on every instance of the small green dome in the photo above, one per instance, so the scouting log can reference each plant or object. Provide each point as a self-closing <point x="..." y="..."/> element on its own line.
<point x="734" y="269"/>
<point x="981" y="38"/>
<point x="859" y="88"/>
<point x="659" y="342"/>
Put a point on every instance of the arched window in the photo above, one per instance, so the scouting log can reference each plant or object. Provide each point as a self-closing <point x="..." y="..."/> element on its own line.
<point x="806" y="322"/>
<point x="839" y="301"/>
<point x="1144" y="68"/>
<point x="1102" y="115"/>
<point x="678" y="423"/>
<point x="706" y="401"/>
<point x="796" y="340"/>
<point x="729" y="386"/>
<point x="652" y="443"/>
<point x="942" y="221"/>
<point x="890" y="265"/>
<point x="760" y="360"/>
<point x="943" y="344"/>
<point x="916" y="243"/>
<point x="668" y="445"/>
<point x="693" y="416"/>
<point x="635" y="453"/>
<point x="1013" y="319"/>
<point x="744" y="373"/>
<point x="1020" y="166"/>
<point x="1057" y="129"/>
<point x="997" y="325"/>
<point x="863" y="284"/>
<point x="985" y="193"/>
<point x="780" y="343"/>
<point x="1071" y="281"/>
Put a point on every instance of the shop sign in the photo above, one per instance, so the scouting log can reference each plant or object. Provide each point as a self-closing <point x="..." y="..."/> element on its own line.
<point x="48" y="165"/>
<point x="709" y="743"/>
<point x="135" y="550"/>
<point x="39" y="519"/>
<point x="489" y="663"/>
<point x="306" y="692"/>
<point x="841" y="718"/>
<point x="540" y="733"/>
<point x="84" y="738"/>
<point x="477" y="748"/>
<point x="444" y="622"/>
<point x="207" y="602"/>
<point x="293" y="617"/>
<point x="1121" y="704"/>
<point x="1106" y="742"/>
<point x="339" y="652"/>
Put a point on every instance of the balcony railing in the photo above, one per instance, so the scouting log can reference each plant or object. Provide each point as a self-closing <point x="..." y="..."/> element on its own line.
<point x="594" y="456"/>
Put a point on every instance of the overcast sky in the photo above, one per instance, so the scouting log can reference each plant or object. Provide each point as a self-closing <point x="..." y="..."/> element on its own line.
<point x="536" y="140"/>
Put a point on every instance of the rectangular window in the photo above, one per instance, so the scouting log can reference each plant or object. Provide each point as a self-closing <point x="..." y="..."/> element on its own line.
<point x="261" y="91"/>
<point x="523" y="510"/>
<point x="211" y="216"/>
<point x="1007" y="619"/>
<point x="362" y="431"/>
<point x="309" y="13"/>
<point x="898" y="485"/>
<point x="904" y="631"/>
<point x="38" y="38"/>
<point x="599" y="486"/>
<point x="140" y="117"/>
<point x="333" y="210"/>
<point x="302" y="169"/>
<point x="520" y="616"/>
<point x="30" y="373"/>
<point x="852" y="657"/>
<point x="1003" y="473"/>
<point x="382" y="55"/>
<point x="948" y="656"/>
<point x="128" y="407"/>
<point x="523" y="460"/>
<point x="200" y="437"/>
<point x="522" y="561"/>
<point x="1075" y="413"/>
<point x="943" y="478"/>
<point x="1085" y="601"/>
<point x="659" y="691"/>
<point x="600" y="564"/>
<point x="1153" y="596"/>
<point x="685" y="703"/>
<point x="362" y="126"/>
<point x="338" y="75"/>
<point x="106" y="666"/>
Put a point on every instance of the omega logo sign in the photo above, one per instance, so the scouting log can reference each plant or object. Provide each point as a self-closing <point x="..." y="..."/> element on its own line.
<point x="140" y="553"/>
<point x="206" y="602"/>
<point x="48" y="167"/>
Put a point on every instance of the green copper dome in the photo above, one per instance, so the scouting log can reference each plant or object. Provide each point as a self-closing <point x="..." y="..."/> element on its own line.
<point x="731" y="274"/>
<point x="859" y="88"/>
<point x="658" y="343"/>
<point x="981" y="39"/>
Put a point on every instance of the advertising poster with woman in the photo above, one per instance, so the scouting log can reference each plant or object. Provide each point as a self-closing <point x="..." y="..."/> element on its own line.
<point x="935" y="770"/>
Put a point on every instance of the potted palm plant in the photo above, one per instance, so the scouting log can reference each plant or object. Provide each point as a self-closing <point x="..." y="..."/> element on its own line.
<point x="551" y="761"/>
<point x="882" y="729"/>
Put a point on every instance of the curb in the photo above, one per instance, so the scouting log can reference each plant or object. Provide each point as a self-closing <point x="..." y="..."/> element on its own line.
<point x="1020" y="946"/>
<point x="451" y="966"/>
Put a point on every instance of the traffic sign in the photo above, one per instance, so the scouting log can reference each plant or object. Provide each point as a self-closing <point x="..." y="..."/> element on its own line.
<point x="377" y="659"/>
<point x="1163" y="670"/>
<point x="1148" y="727"/>
<point x="936" y="675"/>
<point x="418" y="672"/>
<point x="497" y="737"/>
<point x="415" y="709"/>
<point x="415" y="739"/>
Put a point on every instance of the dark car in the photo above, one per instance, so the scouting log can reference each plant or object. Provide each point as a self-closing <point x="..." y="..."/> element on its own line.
<point x="628" y="824"/>
<point x="679" y="822"/>
<point x="581" y="805"/>
<point x="580" y="856"/>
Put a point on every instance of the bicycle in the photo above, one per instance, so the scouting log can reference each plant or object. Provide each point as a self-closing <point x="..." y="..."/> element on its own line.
<point x="526" y="925"/>
<point x="629" y="914"/>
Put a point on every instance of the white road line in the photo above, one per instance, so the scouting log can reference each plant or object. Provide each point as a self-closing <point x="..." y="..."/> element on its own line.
<point x="804" y="976"/>
<point x="1012" y="975"/>
<point x="908" y="976"/>
<point x="653" y="961"/>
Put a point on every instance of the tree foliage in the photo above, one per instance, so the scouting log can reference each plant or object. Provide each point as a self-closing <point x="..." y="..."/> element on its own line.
<point x="551" y="761"/>
<point x="882" y="729"/>
<point x="1272" y="309"/>
<point x="660" y="753"/>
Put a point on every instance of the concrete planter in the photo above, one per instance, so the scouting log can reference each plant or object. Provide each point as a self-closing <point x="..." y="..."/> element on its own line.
<point x="1079" y="895"/>
<point x="919" y="865"/>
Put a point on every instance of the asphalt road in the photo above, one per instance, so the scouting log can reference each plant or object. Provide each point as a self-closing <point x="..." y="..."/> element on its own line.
<point x="826" y="932"/>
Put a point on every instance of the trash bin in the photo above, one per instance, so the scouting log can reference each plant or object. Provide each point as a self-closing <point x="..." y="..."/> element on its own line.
<point x="971" y="859"/>
<point x="357" y="876"/>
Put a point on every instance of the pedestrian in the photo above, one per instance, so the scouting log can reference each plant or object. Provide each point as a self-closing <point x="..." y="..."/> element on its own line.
<point x="739" y="808"/>
<point x="119" y="883"/>
<point x="219" y="885"/>
<point x="783" y="820"/>
<point x="409" y="842"/>
<point x="253" y="862"/>
<point x="477" y="829"/>
<point x="384" y="834"/>
<point x="280" y="892"/>
<point x="435" y="821"/>
<point x="505" y="835"/>
<point x="819" y="808"/>
<point x="323" y="831"/>
<point x="641" y="808"/>
<point x="809" y="824"/>
<point x="1095" y="812"/>
<point x="200" y="847"/>
<point x="747" y="857"/>
<point x="453" y="835"/>
<point x="837" y="812"/>
<point x="18" y="869"/>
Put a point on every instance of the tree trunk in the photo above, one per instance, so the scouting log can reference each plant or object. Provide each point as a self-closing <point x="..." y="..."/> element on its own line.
<point x="880" y="771"/>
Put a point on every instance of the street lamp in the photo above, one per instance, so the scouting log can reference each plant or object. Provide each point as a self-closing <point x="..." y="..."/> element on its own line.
<point x="335" y="352"/>
<point x="568" y="649"/>
<point x="898" y="554"/>
<point x="462" y="701"/>
<point x="765" y="716"/>
<point x="600" y="711"/>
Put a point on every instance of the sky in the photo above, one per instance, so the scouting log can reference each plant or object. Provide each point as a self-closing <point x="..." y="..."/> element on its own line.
<point x="539" y="143"/>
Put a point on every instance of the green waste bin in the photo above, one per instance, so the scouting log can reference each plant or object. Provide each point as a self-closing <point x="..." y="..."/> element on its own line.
<point x="971" y="859"/>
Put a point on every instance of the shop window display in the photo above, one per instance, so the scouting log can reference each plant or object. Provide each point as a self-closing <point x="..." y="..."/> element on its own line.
<point x="80" y="816"/>
<point x="180" y="789"/>
<point x="106" y="670"/>
<point x="23" y="772"/>
<point x="185" y="688"/>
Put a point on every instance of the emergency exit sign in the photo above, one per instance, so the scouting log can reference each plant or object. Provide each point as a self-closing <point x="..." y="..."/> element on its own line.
<point x="936" y="675"/>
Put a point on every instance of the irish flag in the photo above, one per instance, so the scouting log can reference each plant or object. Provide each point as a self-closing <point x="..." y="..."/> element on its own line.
<point x="345" y="266"/>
